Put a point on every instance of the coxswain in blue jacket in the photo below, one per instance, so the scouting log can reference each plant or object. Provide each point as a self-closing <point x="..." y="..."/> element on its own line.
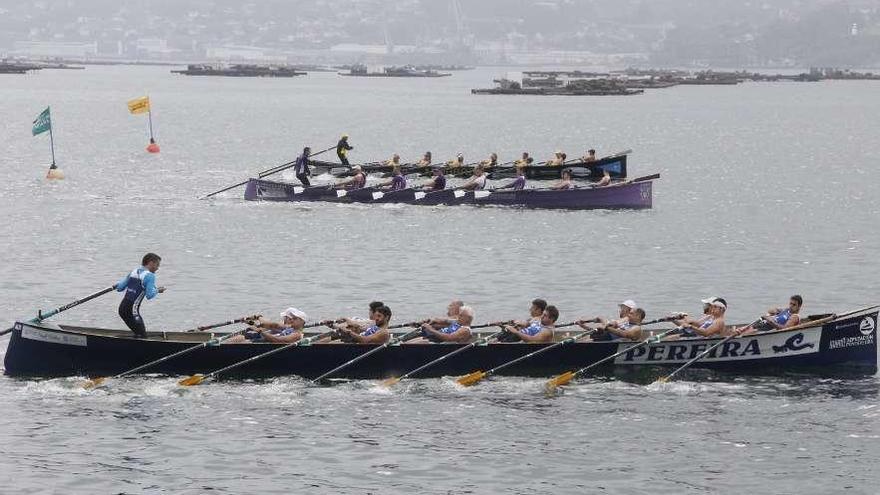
<point x="301" y="169"/>
<point x="140" y="283"/>
<point x="342" y="149"/>
<point x="537" y="331"/>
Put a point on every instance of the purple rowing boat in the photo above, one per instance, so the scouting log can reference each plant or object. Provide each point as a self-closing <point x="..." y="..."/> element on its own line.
<point x="625" y="195"/>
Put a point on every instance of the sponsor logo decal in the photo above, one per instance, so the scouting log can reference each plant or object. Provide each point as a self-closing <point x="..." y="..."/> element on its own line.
<point x="794" y="343"/>
<point x="53" y="338"/>
<point x="867" y="326"/>
<point x="757" y="347"/>
<point x="851" y="341"/>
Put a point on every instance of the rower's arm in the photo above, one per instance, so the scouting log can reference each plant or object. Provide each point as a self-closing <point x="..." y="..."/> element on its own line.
<point x="379" y="337"/>
<point x="633" y="333"/>
<point x="545" y="335"/>
<point x="282" y="339"/>
<point x="150" y="285"/>
<point x="793" y="320"/>
<point x="120" y="286"/>
<point x="715" y="328"/>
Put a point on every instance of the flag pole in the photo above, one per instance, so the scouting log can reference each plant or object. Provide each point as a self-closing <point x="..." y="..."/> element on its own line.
<point x="150" y="117"/>
<point x="52" y="145"/>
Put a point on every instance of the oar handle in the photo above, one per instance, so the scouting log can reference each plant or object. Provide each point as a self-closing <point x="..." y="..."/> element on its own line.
<point x="242" y="319"/>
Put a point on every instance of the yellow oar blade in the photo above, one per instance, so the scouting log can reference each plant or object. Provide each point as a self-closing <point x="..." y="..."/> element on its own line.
<point x="662" y="379"/>
<point x="94" y="382"/>
<point x="390" y="382"/>
<point x="192" y="380"/>
<point x="560" y="380"/>
<point x="471" y="379"/>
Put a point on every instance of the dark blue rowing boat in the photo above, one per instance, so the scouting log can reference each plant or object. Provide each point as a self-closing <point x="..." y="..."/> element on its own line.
<point x="624" y="195"/>
<point x="847" y="343"/>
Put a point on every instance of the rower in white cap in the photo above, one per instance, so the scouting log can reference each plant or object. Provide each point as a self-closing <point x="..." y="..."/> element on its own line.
<point x="289" y="330"/>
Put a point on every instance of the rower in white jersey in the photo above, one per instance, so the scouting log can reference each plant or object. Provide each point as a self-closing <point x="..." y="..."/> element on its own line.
<point x="477" y="182"/>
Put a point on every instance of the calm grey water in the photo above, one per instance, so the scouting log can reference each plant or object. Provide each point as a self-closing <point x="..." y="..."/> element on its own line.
<point x="767" y="190"/>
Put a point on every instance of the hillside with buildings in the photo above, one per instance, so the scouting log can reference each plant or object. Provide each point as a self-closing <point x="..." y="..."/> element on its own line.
<point x="700" y="33"/>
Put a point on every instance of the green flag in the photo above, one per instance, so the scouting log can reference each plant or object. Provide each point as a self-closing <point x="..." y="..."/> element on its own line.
<point x="43" y="123"/>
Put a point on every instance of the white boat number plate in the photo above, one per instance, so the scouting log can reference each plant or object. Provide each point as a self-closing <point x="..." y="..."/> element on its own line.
<point x="52" y="337"/>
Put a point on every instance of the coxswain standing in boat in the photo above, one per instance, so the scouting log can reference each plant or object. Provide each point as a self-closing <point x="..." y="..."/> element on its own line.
<point x="377" y="333"/>
<point x="301" y="168"/>
<point x="777" y="318"/>
<point x="356" y="181"/>
<point x="477" y="181"/>
<point x="342" y="149"/>
<point x="458" y="330"/>
<point x="565" y="182"/>
<point x="709" y="327"/>
<point x="537" y="332"/>
<point x="140" y="283"/>
<point x="519" y="183"/>
<point x="288" y="331"/>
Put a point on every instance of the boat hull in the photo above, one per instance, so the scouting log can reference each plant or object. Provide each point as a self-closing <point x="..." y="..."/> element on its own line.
<point x="844" y="345"/>
<point x="635" y="195"/>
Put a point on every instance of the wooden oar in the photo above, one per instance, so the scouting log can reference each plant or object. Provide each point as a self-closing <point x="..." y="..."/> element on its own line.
<point x="568" y="376"/>
<point x="42" y="316"/>
<point x="199" y="378"/>
<point x="266" y="173"/>
<point x="475" y="377"/>
<point x="403" y="338"/>
<point x="393" y="380"/>
<point x="97" y="381"/>
<point x="225" y="323"/>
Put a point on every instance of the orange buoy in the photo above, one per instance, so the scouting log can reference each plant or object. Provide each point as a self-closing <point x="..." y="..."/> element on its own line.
<point x="153" y="147"/>
<point x="55" y="173"/>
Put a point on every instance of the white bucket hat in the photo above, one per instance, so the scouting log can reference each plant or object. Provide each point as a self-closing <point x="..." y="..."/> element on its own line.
<point x="294" y="313"/>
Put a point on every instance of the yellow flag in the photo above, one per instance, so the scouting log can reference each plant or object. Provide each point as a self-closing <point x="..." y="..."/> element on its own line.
<point x="139" y="105"/>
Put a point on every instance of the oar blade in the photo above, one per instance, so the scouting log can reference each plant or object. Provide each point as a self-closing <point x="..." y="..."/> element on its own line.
<point x="93" y="383"/>
<point x="471" y="379"/>
<point x="560" y="380"/>
<point x="662" y="379"/>
<point x="390" y="382"/>
<point x="192" y="380"/>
